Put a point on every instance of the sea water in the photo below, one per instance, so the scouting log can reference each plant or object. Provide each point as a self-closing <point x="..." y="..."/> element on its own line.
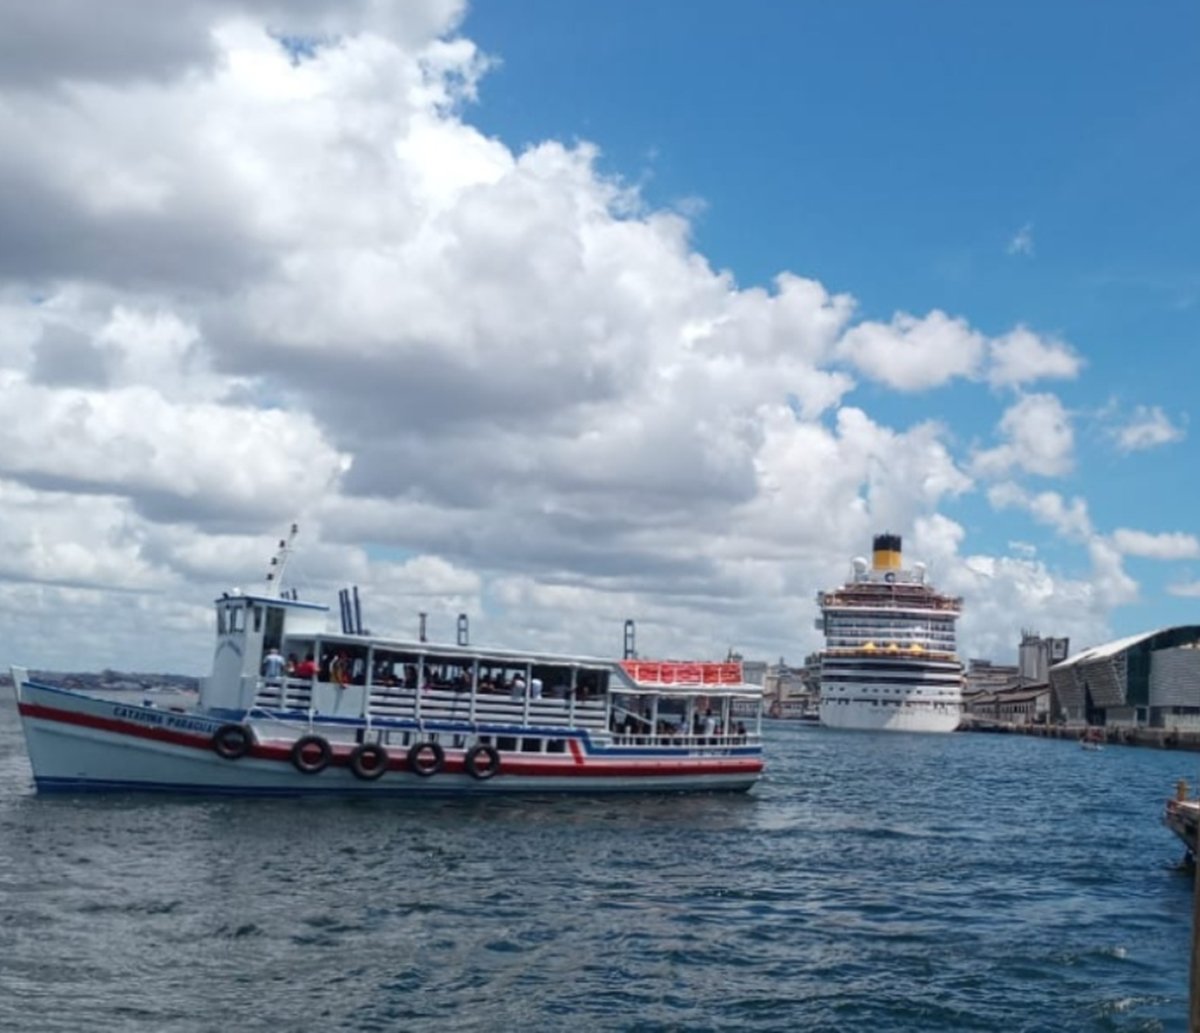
<point x="870" y="882"/>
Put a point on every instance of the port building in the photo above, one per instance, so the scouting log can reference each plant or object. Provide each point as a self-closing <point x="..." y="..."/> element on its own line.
<point x="1151" y="680"/>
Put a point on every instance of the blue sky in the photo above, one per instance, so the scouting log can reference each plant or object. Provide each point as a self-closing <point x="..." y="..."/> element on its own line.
<point x="562" y="313"/>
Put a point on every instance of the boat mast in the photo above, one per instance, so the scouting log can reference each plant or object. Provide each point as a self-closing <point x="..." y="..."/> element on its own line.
<point x="279" y="562"/>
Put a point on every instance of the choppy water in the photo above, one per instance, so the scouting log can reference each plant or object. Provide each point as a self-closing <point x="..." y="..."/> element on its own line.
<point x="872" y="882"/>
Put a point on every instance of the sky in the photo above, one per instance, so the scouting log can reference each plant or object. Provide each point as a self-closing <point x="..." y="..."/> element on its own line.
<point x="562" y="314"/>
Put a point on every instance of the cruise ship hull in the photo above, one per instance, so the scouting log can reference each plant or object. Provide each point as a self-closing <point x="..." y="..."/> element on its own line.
<point x="867" y="715"/>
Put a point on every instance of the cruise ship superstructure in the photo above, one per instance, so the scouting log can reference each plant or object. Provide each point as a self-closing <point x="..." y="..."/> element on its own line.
<point x="890" y="658"/>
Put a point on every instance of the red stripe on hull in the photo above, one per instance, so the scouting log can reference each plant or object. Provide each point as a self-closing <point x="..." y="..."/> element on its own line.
<point x="112" y="724"/>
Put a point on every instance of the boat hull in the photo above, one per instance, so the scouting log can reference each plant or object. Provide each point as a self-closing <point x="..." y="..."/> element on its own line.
<point x="902" y="717"/>
<point x="79" y="743"/>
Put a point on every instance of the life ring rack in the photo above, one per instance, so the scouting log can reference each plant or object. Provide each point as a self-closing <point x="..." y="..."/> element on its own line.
<point x="482" y="761"/>
<point x="426" y="758"/>
<point x="232" y="741"/>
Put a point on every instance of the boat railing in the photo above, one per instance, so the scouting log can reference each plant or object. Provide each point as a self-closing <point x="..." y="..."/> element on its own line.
<point x="284" y="694"/>
<point x="440" y="704"/>
<point x="631" y="728"/>
<point x="718" y="742"/>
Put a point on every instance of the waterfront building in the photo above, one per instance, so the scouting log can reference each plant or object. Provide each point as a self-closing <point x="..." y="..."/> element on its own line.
<point x="1148" y="680"/>
<point x="1036" y="655"/>
<point x="985" y="676"/>
<point x="1015" y="705"/>
<point x="791" y="692"/>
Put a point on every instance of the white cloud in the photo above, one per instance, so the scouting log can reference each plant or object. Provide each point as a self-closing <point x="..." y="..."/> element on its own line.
<point x="1167" y="546"/>
<point x="1039" y="439"/>
<point x="1112" y="585"/>
<point x="1007" y="594"/>
<point x="174" y="457"/>
<point x="1022" y="241"/>
<point x="1069" y="519"/>
<point x="1021" y="357"/>
<point x="1149" y="427"/>
<point x="912" y="354"/>
<point x="1185" y="589"/>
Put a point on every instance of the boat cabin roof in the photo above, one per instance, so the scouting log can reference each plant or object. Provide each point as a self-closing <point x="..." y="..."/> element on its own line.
<point x="453" y="649"/>
<point x="227" y="598"/>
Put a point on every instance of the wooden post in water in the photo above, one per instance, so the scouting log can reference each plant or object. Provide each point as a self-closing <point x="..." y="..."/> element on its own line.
<point x="1194" y="989"/>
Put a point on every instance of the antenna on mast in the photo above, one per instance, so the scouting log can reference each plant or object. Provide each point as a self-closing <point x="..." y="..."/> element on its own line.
<point x="279" y="562"/>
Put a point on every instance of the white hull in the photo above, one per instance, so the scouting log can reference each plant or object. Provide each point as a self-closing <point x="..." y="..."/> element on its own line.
<point x="78" y="743"/>
<point x="905" y="717"/>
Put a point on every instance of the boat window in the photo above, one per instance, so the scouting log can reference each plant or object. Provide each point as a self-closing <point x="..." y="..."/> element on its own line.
<point x="222" y="624"/>
<point x="274" y="635"/>
<point x="555" y="679"/>
<point x="237" y="618"/>
<point x="449" y="672"/>
<point x="531" y="745"/>
<point x="506" y="742"/>
<point x="556" y="746"/>
<point x="257" y="619"/>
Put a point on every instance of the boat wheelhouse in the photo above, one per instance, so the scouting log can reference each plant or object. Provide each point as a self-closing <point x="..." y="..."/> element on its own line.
<point x="890" y="660"/>
<point x="348" y="712"/>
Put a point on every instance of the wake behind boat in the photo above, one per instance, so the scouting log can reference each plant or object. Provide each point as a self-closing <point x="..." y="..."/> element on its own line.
<point x="347" y="712"/>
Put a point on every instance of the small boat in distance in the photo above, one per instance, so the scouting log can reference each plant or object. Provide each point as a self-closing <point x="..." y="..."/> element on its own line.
<point x="366" y="715"/>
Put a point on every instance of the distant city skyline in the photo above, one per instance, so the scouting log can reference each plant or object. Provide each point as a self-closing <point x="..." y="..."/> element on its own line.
<point x="563" y="314"/>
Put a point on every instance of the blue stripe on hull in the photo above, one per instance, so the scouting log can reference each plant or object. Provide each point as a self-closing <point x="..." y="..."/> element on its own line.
<point x="422" y="789"/>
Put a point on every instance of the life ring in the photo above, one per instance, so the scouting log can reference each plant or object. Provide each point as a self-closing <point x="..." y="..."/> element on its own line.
<point x="482" y="762"/>
<point x="368" y="761"/>
<point x="889" y="577"/>
<point x="232" y="741"/>
<point x="426" y="758"/>
<point x="311" y="753"/>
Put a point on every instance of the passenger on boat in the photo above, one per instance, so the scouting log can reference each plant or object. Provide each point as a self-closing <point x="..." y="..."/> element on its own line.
<point x="339" y="670"/>
<point x="306" y="668"/>
<point x="518" y="687"/>
<point x="535" y="688"/>
<point x="273" y="665"/>
<point x="290" y="667"/>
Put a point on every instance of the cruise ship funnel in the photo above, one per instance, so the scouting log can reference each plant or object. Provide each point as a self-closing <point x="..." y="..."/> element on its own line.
<point x="887" y="552"/>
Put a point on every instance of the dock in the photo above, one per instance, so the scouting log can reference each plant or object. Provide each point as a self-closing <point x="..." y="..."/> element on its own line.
<point x="1113" y="735"/>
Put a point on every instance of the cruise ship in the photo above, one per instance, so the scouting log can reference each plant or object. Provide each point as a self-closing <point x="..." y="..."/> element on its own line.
<point x="889" y="660"/>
